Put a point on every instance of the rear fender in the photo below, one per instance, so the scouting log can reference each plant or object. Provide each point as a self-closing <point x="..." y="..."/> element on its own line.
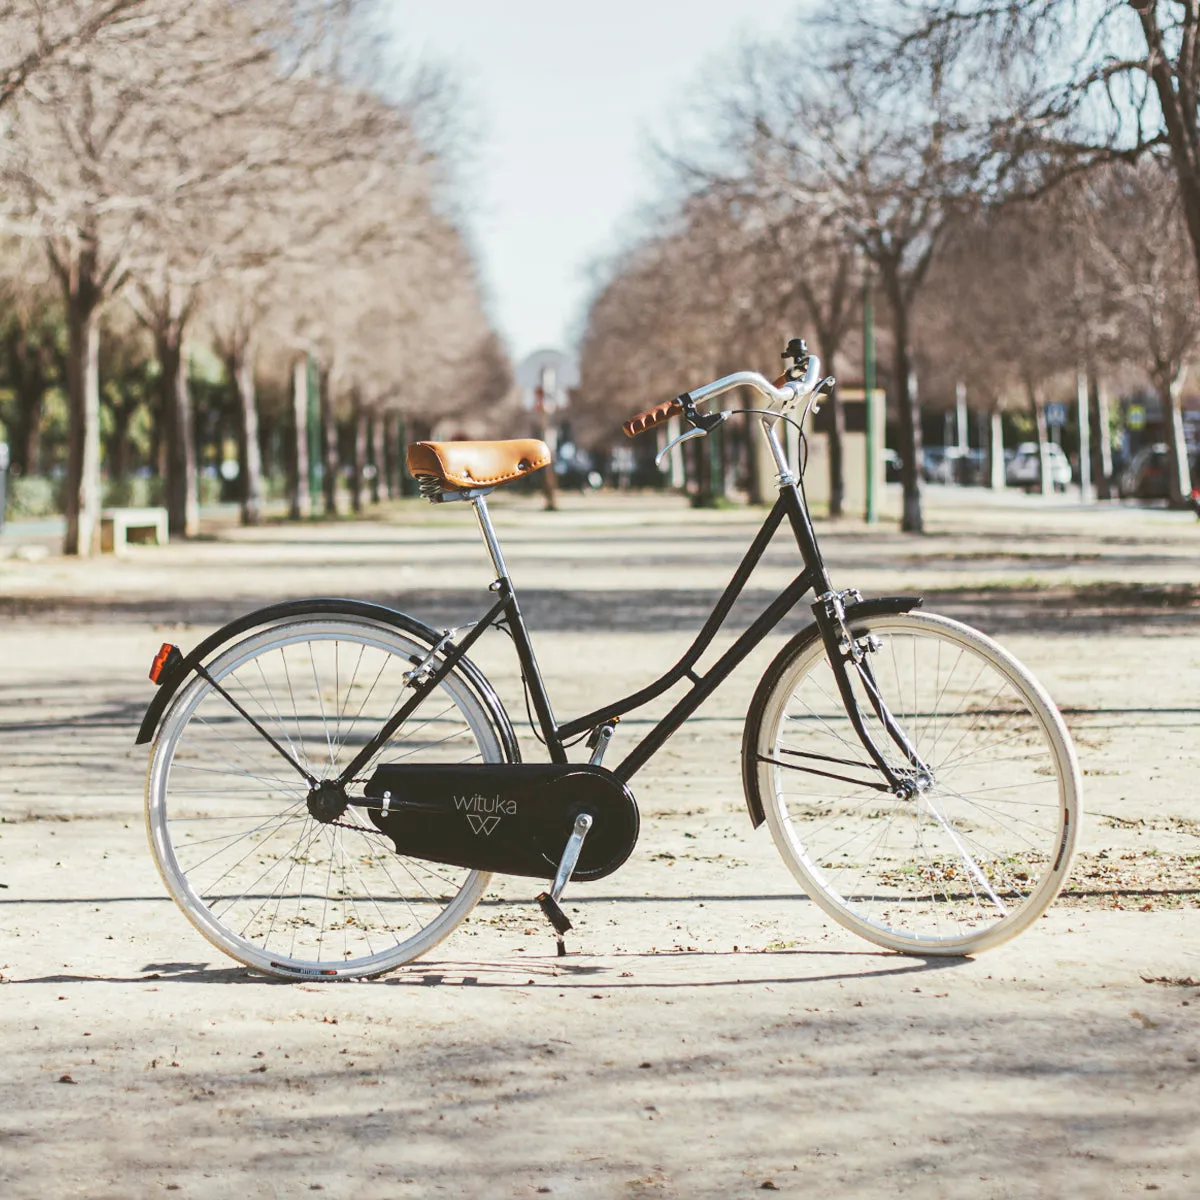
<point x="174" y="677"/>
<point x="882" y="606"/>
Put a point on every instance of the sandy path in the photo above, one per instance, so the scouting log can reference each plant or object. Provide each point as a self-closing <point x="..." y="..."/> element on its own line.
<point x="712" y="1033"/>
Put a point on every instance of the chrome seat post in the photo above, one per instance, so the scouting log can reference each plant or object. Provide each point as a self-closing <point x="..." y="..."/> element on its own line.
<point x="489" y="535"/>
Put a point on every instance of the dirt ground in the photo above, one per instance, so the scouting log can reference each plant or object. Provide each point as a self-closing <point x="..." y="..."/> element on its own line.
<point x="711" y="1033"/>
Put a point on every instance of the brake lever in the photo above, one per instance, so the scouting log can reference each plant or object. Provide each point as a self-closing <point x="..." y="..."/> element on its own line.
<point x="683" y="437"/>
<point x="820" y="392"/>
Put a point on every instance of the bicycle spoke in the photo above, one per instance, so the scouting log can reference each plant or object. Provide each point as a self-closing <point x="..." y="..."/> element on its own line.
<point x="282" y="890"/>
<point x="966" y="857"/>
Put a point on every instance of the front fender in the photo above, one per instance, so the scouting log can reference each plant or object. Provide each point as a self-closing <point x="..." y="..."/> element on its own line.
<point x="879" y="607"/>
<point x="171" y="682"/>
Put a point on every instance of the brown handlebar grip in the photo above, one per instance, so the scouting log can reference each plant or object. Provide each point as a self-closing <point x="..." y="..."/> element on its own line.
<point x="651" y="417"/>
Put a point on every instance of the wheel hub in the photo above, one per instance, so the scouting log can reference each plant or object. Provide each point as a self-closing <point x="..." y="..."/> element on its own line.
<point x="912" y="782"/>
<point x="327" y="801"/>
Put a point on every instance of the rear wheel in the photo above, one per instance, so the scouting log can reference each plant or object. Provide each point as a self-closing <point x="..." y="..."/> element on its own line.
<point x="980" y="846"/>
<point x="291" y="879"/>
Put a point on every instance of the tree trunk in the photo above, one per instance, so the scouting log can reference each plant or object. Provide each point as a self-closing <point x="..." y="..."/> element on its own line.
<point x="702" y="494"/>
<point x="250" y="475"/>
<point x="360" y="455"/>
<point x="30" y="443"/>
<point x="1085" y="440"/>
<point x="837" y="443"/>
<point x="183" y="508"/>
<point x="394" y="440"/>
<point x="724" y="451"/>
<point x="912" y="447"/>
<point x="1045" y="479"/>
<point x="379" y="483"/>
<point x="997" y="464"/>
<point x="1178" y="107"/>
<point x="28" y="376"/>
<point x="837" y="434"/>
<point x="1179" y="477"/>
<point x="1101" y="441"/>
<point x="118" y="441"/>
<point x="81" y="495"/>
<point x="547" y="477"/>
<point x="756" y="453"/>
<point x="300" y="505"/>
<point x="330" y="459"/>
<point x="158" y="441"/>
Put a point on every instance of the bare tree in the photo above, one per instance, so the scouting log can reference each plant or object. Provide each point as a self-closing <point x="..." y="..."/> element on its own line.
<point x="33" y="35"/>
<point x="259" y="201"/>
<point x="880" y="156"/>
<point x="1137" y="241"/>
<point x="235" y="329"/>
<point x="651" y="332"/>
<point x="707" y="289"/>
<point x="30" y="353"/>
<point x="394" y="319"/>
<point x="992" y="322"/>
<point x="95" y="151"/>
<point x="817" y="270"/>
<point x="1061" y="86"/>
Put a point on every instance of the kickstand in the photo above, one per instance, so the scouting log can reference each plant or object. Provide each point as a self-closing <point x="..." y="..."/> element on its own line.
<point x="548" y="901"/>
<point x="557" y="918"/>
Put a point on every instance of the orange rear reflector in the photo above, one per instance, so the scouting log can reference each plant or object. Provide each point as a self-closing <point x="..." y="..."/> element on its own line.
<point x="160" y="661"/>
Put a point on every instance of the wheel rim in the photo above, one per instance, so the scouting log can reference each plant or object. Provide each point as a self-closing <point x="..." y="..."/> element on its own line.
<point x="294" y="888"/>
<point x="966" y="862"/>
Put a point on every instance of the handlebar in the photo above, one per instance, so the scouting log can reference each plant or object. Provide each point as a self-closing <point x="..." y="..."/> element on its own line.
<point x="651" y="417"/>
<point x="783" y="391"/>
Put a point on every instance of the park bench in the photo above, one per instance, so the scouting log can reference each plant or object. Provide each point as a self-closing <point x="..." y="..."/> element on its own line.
<point x="121" y="526"/>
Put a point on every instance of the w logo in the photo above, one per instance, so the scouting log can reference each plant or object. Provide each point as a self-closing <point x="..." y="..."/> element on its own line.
<point x="483" y="825"/>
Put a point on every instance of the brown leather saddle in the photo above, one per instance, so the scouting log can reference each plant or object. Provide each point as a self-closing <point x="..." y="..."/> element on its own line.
<point x="441" y="467"/>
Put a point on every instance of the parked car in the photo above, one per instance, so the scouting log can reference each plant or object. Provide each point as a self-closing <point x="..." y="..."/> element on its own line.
<point x="937" y="464"/>
<point x="950" y="464"/>
<point x="1024" y="468"/>
<point x="1145" y="478"/>
<point x="975" y="468"/>
<point x="575" y="469"/>
<point x="1146" y="475"/>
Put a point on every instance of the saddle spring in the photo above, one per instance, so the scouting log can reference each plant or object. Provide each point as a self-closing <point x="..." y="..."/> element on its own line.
<point x="429" y="485"/>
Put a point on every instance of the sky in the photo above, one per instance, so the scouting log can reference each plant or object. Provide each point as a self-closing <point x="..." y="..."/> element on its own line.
<point x="566" y="97"/>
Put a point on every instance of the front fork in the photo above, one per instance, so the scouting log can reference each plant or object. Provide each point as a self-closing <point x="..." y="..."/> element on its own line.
<point x="847" y="653"/>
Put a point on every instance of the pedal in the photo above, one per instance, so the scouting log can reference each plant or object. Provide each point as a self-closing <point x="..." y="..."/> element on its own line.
<point x="566" y="868"/>
<point x="553" y="913"/>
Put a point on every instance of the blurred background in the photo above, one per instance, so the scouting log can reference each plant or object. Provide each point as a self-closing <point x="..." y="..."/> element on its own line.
<point x="251" y="248"/>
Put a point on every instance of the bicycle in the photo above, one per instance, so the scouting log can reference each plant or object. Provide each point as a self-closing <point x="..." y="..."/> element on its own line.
<point x="331" y="781"/>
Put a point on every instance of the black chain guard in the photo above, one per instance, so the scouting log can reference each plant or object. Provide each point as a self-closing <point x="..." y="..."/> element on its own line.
<point x="512" y="818"/>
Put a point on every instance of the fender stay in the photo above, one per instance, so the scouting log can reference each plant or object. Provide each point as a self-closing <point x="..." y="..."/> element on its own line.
<point x="879" y="607"/>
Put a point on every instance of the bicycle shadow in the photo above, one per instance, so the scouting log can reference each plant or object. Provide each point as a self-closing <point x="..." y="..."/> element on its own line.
<point x="152" y="973"/>
<point x="621" y="971"/>
<point x="625" y="971"/>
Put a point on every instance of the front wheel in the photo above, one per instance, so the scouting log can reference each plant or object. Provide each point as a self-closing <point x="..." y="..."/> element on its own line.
<point x="291" y="879"/>
<point x="977" y="846"/>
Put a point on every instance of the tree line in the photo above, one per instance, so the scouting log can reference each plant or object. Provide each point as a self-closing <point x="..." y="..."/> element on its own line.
<point x="260" y="184"/>
<point x="1018" y="182"/>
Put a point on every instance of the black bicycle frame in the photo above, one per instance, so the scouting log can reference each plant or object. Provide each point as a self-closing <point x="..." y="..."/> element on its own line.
<point x="506" y="611"/>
